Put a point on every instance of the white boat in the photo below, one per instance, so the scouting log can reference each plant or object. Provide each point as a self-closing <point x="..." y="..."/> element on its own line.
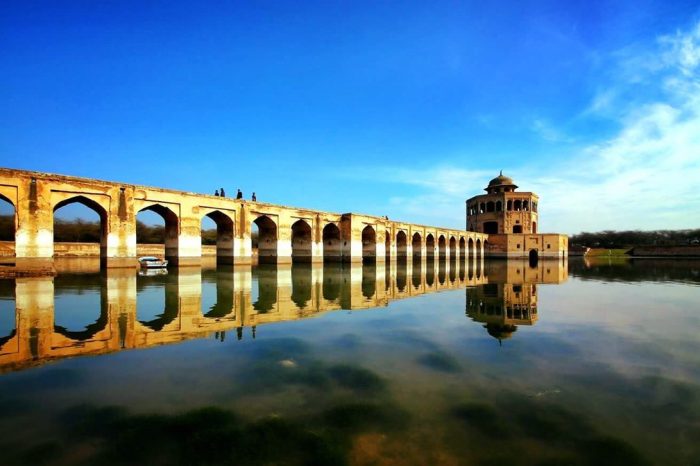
<point x="152" y="262"/>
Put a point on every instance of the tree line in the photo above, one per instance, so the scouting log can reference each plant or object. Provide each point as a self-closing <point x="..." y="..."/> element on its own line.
<point x="85" y="231"/>
<point x="609" y="239"/>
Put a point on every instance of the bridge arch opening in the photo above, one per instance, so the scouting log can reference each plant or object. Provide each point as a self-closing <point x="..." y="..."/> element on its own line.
<point x="8" y="221"/>
<point x="264" y="239"/>
<point x="462" y="249"/>
<point x="157" y="225"/>
<point x="369" y="244"/>
<point x="387" y="245"/>
<point x="478" y="249"/>
<point x="218" y="229"/>
<point x="430" y="247"/>
<point x="471" y="253"/>
<point x="80" y="220"/>
<point x="332" y="246"/>
<point x="302" y="243"/>
<point x="416" y="246"/>
<point x="401" y="246"/>
<point x="442" y="247"/>
<point x="453" y="249"/>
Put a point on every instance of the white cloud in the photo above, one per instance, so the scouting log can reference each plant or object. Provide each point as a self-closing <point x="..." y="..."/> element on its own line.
<point x="645" y="176"/>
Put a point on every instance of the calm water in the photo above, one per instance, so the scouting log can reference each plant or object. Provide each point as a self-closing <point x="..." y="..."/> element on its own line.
<point x="563" y="363"/>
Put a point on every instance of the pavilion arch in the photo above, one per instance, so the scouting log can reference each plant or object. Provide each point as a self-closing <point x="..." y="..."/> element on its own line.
<point x="401" y="245"/>
<point x="266" y="243"/>
<point x="442" y="247"/>
<point x="369" y="244"/>
<point x="490" y="206"/>
<point x="462" y="249"/>
<point x="430" y="246"/>
<point x="302" y="243"/>
<point x="332" y="245"/>
<point x="8" y="221"/>
<point x="416" y="245"/>
<point x="225" y="233"/>
<point x="91" y="203"/>
<point x="499" y="206"/>
<point x="453" y="248"/>
<point x="172" y="229"/>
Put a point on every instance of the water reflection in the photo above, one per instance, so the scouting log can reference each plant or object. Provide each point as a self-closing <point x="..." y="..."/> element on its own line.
<point x="92" y="313"/>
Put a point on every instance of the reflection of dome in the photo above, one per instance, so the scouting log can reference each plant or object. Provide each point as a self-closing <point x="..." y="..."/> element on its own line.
<point x="501" y="180"/>
<point x="500" y="331"/>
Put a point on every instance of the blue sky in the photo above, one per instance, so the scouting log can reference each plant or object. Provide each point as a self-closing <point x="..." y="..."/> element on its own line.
<point x="402" y="109"/>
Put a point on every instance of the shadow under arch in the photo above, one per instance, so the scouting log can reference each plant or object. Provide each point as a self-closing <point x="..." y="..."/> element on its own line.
<point x="302" y="243"/>
<point x="369" y="244"/>
<point x="416" y="244"/>
<point x="332" y="246"/>
<point x="267" y="240"/>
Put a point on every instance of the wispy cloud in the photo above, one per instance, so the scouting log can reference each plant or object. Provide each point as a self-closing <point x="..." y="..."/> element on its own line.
<point x="645" y="175"/>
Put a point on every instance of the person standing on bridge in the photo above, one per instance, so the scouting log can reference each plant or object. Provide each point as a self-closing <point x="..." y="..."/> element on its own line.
<point x="223" y="194"/>
<point x="254" y="198"/>
<point x="239" y="195"/>
<point x="216" y="193"/>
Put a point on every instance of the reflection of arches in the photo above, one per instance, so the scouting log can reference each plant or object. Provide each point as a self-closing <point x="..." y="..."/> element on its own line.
<point x="149" y="300"/>
<point x="430" y="246"/>
<point x="401" y="276"/>
<point x="267" y="240"/>
<point x="8" y="312"/>
<point x="266" y="297"/>
<point x="332" y="282"/>
<point x="478" y="249"/>
<point x="301" y="285"/>
<point x="401" y="245"/>
<point x="301" y="241"/>
<point x="442" y="247"/>
<point x="416" y="275"/>
<point x="331" y="243"/>
<point x="222" y="278"/>
<point x="224" y="236"/>
<point x="77" y="300"/>
<point x="369" y="281"/>
<point x="171" y="232"/>
<point x="8" y="220"/>
<point x="416" y="246"/>
<point x="80" y="234"/>
<point x="369" y="244"/>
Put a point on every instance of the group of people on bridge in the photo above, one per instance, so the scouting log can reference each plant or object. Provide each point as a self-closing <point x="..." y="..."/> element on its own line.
<point x="239" y="194"/>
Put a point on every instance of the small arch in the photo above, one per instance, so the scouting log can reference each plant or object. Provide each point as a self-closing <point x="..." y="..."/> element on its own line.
<point x="430" y="246"/>
<point x="499" y="206"/>
<point x="462" y="249"/>
<point x="533" y="257"/>
<point x="301" y="241"/>
<point x="8" y="225"/>
<point x="401" y="245"/>
<point x="490" y="206"/>
<point x="387" y="245"/>
<point x="416" y="246"/>
<point x="518" y="205"/>
<point x="78" y="229"/>
<point x="221" y="235"/>
<point x="453" y="248"/>
<point x="442" y="247"/>
<point x="482" y="208"/>
<point x="478" y="249"/>
<point x="509" y="205"/>
<point x="526" y="205"/>
<point x="167" y="235"/>
<point x="265" y="243"/>
<point x="470" y="249"/>
<point x="369" y="244"/>
<point x="332" y="247"/>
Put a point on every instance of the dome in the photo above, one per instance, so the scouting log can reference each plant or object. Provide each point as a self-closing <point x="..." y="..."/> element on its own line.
<point x="501" y="180"/>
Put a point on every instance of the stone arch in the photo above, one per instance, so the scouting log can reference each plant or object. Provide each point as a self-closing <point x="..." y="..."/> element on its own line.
<point x="518" y="205"/>
<point x="453" y="248"/>
<point x="332" y="246"/>
<point x="462" y="249"/>
<point x="499" y="206"/>
<point x="471" y="253"/>
<point x="302" y="242"/>
<point x="92" y="204"/>
<point x="490" y="206"/>
<point x="171" y="232"/>
<point x="225" y="233"/>
<point x="266" y="243"/>
<point x="509" y="205"/>
<point x="401" y="245"/>
<point x="8" y="221"/>
<point x="442" y="247"/>
<point x="533" y="257"/>
<point x="416" y="245"/>
<point x="430" y="246"/>
<point x="387" y="245"/>
<point x="369" y="244"/>
<point x="478" y="254"/>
